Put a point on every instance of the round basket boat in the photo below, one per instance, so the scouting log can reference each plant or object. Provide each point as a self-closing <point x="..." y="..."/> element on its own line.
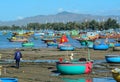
<point x="116" y="48"/>
<point x="28" y="44"/>
<point x="8" y="80"/>
<point x="112" y="58"/>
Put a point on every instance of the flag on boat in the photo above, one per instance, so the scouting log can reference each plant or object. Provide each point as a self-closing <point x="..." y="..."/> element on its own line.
<point x="63" y="39"/>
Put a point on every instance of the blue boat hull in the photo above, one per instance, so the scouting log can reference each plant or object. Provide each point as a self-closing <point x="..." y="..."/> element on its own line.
<point x="113" y="58"/>
<point x="83" y="43"/>
<point x="8" y="80"/>
<point x="117" y="44"/>
<point x="100" y="47"/>
<point x="65" y="48"/>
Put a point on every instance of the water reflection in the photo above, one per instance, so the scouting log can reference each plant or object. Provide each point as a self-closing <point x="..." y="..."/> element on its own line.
<point x="99" y="61"/>
<point x="29" y="61"/>
<point x="76" y="80"/>
<point x="51" y="61"/>
<point x="104" y="79"/>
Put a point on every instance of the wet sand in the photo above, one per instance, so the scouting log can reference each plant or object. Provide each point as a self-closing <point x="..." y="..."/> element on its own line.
<point x="43" y="72"/>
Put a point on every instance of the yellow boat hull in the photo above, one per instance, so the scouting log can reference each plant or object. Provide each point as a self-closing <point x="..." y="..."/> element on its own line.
<point x="116" y="75"/>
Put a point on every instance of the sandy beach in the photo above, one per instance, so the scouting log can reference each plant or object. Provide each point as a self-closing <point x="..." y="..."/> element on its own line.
<point x="43" y="72"/>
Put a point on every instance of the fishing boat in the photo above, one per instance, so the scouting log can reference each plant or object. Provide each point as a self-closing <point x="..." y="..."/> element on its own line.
<point x="66" y="48"/>
<point x="52" y="44"/>
<point x="8" y="80"/>
<point x="47" y="39"/>
<point x="112" y="58"/>
<point x="116" y="47"/>
<point x="18" y="40"/>
<point x="27" y="44"/>
<point x="100" y="46"/>
<point x="116" y="74"/>
<point x="117" y="44"/>
<point x="59" y="45"/>
<point x="64" y="45"/>
<point x="74" y="68"/>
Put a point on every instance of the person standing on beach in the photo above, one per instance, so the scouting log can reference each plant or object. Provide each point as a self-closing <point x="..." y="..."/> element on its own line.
<point x="17" y="57"/>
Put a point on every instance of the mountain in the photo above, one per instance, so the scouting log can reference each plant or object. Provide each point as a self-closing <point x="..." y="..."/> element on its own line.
<point x="59" y="17"/>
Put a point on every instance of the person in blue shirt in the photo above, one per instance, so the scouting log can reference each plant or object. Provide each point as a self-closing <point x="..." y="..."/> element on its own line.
<point x="17" y="57"/>
<point x="54" y="40"/>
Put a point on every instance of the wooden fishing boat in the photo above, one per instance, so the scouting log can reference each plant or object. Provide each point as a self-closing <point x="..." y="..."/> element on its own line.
<point x="73" y="68"/>
<point x="8" y="80"/>
<point x="116" y="74"/>
<point x="48" y="40"/>
<point x="27" y="34"/>
<point x="112" y="58"/>
<point x="27" y="44"/>
<point x="18" y="40"/>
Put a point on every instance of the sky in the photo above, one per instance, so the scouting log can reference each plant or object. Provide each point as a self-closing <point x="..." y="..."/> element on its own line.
<point x="19" y="9"/>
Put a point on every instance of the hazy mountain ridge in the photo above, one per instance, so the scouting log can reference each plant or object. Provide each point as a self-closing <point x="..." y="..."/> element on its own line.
<point x="60" y="17"/>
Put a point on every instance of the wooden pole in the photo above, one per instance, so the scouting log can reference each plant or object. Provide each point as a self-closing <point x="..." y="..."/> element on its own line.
<point x="88" y="52"/>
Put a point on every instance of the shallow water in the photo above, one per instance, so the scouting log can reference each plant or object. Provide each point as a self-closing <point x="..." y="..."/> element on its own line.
<point x="37" y="43"/>
<point x="104" y="79"/>
<point x="46" y="61"/>
<point x="29" y="61"/>
<point x="6" y="44"/>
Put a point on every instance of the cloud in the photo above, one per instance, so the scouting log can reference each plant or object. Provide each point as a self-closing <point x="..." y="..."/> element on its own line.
<point x="75" y="11"/>
<point x="60" y="9"/>
<point x="20" y="17"/>
<point x="108" y="12"/>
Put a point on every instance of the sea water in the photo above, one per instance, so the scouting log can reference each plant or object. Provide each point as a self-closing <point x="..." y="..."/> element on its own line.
<point x="4" y="42"/>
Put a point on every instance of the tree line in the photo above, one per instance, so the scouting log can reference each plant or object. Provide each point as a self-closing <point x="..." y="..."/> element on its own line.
<point x="93" y="25"/>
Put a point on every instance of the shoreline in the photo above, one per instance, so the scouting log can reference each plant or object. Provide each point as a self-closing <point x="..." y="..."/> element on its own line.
<point x="42" y="72"/>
